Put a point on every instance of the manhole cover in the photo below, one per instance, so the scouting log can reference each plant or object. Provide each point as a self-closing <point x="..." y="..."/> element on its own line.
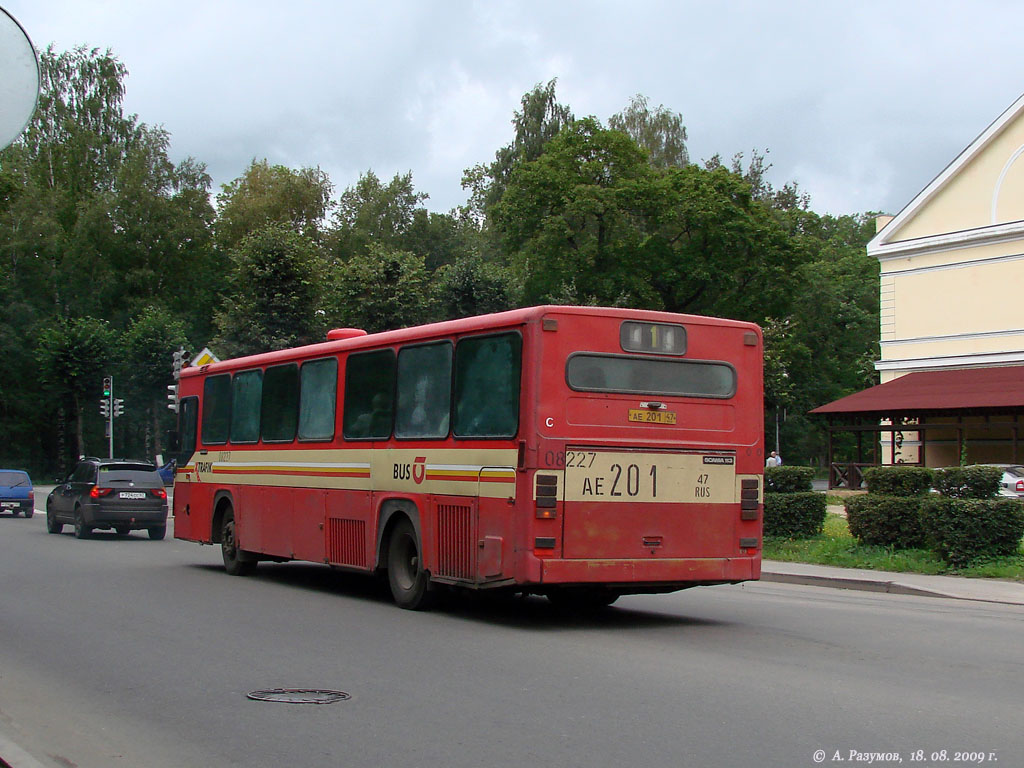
<point x="299" y="696"/>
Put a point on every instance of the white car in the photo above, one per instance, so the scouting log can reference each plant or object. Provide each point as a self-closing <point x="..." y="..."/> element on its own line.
<point x="1012" y="483"/>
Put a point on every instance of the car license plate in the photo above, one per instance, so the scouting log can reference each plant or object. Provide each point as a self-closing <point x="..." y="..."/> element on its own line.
<point x="131" y="495"/>
<point x="9" y="504"/>
<point x="652" y="417"/>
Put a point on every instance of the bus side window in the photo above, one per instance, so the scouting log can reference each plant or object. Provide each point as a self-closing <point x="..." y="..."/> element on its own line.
<point x="317" y="395"/>
<point x="188" y="412"/>
<point x="487" y="376"/>
<point x="369" y="398"/>
<point x="279" y="410"/>
<point x="246" y="394"/>
<point x="424" y="391"/>
<point x="216" y="409"/>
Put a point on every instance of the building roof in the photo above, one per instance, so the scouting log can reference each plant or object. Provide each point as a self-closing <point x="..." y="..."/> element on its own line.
<point x="967" y="389"/>
<point x="887" y="239"/>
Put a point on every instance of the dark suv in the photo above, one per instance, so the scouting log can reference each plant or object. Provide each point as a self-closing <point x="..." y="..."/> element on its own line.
<point x="122" y="494"/>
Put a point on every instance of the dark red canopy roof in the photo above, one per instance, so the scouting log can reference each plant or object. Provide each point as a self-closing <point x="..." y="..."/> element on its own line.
<point x="929" y="391"/>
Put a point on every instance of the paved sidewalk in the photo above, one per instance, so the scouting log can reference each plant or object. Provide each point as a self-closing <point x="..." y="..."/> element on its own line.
<point x="984" y="590"/>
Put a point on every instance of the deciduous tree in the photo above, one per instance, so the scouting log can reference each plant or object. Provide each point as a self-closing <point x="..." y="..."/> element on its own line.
<point x="380" y="290"/>
<point x="273" y="194"/>
<point x="274" y="293"/>
<point x="659" y="131"/>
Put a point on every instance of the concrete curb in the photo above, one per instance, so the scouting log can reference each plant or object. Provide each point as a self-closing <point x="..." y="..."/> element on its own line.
<point x="13" y="756"/>
<point x="920" y="585"/>
<point x="862" y="585"/>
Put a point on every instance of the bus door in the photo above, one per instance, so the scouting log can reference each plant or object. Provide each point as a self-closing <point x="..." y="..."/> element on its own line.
<point x="622" y="503"/>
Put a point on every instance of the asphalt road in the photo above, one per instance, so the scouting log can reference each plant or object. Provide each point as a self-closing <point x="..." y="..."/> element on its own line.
<point x="130" y="652"/>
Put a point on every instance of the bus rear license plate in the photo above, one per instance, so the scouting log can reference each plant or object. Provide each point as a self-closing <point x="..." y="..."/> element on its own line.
<point x="131" y="495"/>
<point x="652" y="417"/>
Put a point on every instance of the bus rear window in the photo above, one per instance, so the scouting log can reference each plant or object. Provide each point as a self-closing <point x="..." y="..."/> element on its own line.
<point x="648" y="376"/>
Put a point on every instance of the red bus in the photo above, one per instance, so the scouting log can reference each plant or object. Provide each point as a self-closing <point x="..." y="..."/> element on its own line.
<point x="576" y="452"/>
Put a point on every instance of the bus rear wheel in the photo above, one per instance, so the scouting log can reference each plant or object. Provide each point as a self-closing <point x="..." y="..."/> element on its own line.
<point x="236" y="561"/>
<point x="410" y="583"/>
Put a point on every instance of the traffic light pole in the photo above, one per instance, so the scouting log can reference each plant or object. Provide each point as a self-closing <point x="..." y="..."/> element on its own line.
<point x="109" y="408"/>
<point x="109" y="394"/>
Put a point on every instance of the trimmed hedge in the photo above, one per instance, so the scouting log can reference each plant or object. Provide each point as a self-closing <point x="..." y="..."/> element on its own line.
<point x="794" y="515"/>
<point x="788" y="479"/>
<point x="968" y="482"/>
<point x="964" y="530"/>
<point x="887" y="521"/>
<point x="898" y="480"/>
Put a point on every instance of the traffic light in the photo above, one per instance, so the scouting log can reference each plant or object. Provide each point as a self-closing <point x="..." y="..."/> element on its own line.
<point x="172" y="395"/>
<point x="118" y="407"/>
<point x="105" y="408"/>
<point x="179" y="362"/>
<point x="108" y="386"/>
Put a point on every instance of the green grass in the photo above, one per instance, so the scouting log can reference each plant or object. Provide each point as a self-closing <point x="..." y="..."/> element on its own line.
<point x="835" y="546"/>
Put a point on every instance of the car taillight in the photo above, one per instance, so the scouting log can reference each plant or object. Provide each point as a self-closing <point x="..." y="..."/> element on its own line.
<point x="32" y="497"/>
<point x="95" y="492"/>
<point x="1020" y="486"/>
<point x="160" y="493"/>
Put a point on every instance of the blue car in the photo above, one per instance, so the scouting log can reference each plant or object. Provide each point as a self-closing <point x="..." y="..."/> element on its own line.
<point x="16" y="494"/>
<point x="167" y="472"/>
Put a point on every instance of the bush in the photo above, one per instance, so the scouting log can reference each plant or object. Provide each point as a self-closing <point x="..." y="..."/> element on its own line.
<point x="788" y="479"/>
<point x="978" y="482"/>
<point x="898" y="480"/>
<point x="964" y="530"/>
<point x="888" y="521"/>
<point x="794" y="515"/>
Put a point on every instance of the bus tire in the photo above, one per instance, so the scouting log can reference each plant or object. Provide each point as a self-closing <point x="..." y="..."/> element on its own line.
<point x="236" y="561"/>
<point x="410" y="583"/>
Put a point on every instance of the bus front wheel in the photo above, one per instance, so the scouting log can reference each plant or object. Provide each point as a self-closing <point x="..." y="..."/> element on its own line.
<point x="236" y="562"/>
<point x="410" y="583"/>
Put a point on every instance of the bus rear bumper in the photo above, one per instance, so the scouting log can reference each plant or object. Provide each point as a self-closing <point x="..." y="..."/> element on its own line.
<point x="669" y="571"/>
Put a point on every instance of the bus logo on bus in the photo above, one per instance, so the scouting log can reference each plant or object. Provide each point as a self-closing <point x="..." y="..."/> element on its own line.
<point x="417" y="471"/>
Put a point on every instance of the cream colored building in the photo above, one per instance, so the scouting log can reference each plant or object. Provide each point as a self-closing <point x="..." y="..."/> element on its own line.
<point x="952" y="298"/>
<point x="952" y="261"/>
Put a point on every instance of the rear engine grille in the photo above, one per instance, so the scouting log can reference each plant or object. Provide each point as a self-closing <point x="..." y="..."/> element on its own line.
<point x="455" y="552"/>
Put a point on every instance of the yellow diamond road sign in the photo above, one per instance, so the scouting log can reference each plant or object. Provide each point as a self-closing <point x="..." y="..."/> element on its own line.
<point x="204" y="357"/>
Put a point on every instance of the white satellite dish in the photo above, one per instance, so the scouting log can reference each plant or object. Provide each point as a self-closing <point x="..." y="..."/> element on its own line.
<point x="19" y="79"/>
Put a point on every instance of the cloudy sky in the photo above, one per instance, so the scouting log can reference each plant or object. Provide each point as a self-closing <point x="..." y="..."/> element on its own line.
<point x="861" y="103"/>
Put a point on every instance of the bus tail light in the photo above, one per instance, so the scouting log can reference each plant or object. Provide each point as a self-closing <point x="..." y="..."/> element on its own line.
<point x="748" y="498"/>
<point x="547" y="497"/>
